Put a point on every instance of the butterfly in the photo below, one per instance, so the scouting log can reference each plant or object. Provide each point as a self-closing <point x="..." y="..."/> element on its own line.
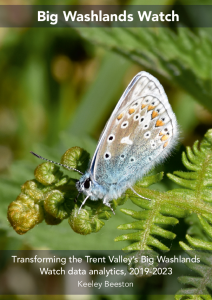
<point x="140" y="133"/>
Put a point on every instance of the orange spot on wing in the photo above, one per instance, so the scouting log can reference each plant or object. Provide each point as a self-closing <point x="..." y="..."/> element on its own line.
<point x="150" y="107"/>
<point x="154" y="114"/>
<point x="131" y="111"/>
<point x="164" y="137"/>
<point x="166" y="143"/>
<point x="161" y="133"/>
<point x="143" y="105"/>
<point x="120" y="116"/>
<point x="159" y="123"/>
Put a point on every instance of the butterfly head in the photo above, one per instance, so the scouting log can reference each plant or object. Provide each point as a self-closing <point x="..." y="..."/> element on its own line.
<point x="89" y="187"/>
<point x="84" y="185"/>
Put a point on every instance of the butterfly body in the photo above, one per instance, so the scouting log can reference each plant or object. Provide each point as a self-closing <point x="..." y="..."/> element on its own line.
<point x="140" y="133"/>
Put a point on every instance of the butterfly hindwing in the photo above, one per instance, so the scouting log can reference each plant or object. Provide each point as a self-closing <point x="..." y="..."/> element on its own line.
<point x="141" y="131"/>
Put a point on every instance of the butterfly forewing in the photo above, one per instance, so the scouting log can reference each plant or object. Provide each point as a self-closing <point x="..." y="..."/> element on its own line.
<point x="140" y="132"/>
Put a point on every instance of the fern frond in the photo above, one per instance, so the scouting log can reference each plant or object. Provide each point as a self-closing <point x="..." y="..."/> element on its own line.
<point x="149" y="226"/>
<point x="198" y="183"/>
<point x="153" y="218"/>
<point x="198" y="285"/>
<point x="195" y="229"/>
<point x="199" y="163"/>
<point x="165" y="208"/>
<point x="201" y="284"/>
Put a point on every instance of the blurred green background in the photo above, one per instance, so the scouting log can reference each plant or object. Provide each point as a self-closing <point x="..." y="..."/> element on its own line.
<point x="59" y="86"/>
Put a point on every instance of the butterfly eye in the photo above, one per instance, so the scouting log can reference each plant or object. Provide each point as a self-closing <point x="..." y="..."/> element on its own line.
<point x="107" y="155"/>
<point x="87" y="183"/>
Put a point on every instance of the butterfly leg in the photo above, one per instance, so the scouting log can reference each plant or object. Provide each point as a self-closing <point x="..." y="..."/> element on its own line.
<point x="108" y="205"/>
<point x="83" y="203"/>
<point x="139" y="195"/>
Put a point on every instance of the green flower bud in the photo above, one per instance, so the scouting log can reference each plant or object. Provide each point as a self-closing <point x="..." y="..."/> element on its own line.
<point x="23" y="214"/>
<point x="31" y="189"/>
<point x="54" y="204"/>
<point x="82" y="223"/>
<point x="47" y="173"/>
<point x="76" y="158"/>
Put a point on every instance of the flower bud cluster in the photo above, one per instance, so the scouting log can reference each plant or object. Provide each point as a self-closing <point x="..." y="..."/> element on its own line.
<point x="51" y="197"/>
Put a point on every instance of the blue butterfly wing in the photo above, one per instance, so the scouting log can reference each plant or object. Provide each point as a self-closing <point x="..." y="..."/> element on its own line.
<point x="141" y="131"/>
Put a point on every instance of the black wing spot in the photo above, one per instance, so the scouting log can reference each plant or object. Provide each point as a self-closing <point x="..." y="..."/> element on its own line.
<point x="125" y="124"/>
<point x="107" y="155"/>
<point x="111" y="137"/>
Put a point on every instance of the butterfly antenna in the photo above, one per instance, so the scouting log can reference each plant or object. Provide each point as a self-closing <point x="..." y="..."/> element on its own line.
<point x="65" y="166"/>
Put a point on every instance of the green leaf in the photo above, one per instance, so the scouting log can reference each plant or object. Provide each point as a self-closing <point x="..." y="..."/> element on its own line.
<point x="182" y="57"/>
